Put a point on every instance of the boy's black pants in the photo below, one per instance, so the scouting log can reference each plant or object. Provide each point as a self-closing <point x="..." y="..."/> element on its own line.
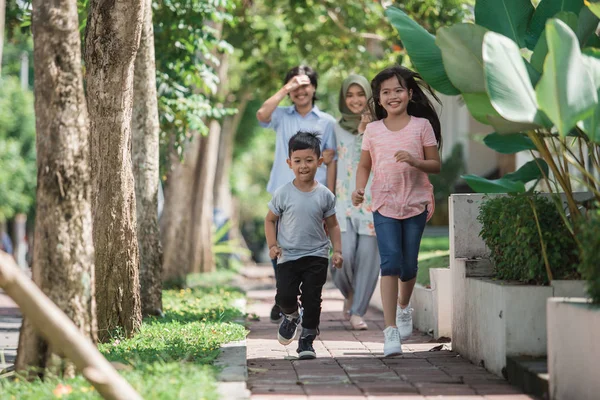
<point x="311" y="273"/>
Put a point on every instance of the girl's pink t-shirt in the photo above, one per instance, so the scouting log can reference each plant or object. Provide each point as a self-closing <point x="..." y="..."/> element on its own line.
<point x="399" y="190"/>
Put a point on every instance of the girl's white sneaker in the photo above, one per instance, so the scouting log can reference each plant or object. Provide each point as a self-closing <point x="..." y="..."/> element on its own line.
<point x="404" y="321"/>
<point x="392" y="345"/>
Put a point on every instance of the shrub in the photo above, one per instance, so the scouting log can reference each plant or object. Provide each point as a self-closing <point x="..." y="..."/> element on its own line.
<point x="589" y="237"/>
<point x="510" y="231"/>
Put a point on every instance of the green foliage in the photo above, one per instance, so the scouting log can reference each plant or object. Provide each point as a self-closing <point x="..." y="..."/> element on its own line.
<point x="433" y="253"/>
<point x="461" y="44"/>
<point x="17" y="149"/>
<point x="546" y="100"/>
<point x="510" y="231"/>
<point x="169" y="358"/>
<point x="228" y="251"/>
<point x="546" y="10"/>
<point x="186" y="49"/>
<point x="452" y="167"/>
<point x="589" y="267"/>
<point x="513" y="182"/>
<point x="509" y="143"/>
<point x="507" y="17"/>
<point x="566" y="91"/>
<point x="425" y="55"/>
<point x="507" y="81"/>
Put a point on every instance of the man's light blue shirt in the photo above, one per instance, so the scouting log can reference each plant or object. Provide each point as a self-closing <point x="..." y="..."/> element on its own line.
<point x="286" y="122"/>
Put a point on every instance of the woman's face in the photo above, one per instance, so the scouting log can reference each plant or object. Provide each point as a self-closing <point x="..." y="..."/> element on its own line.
<point x="356" y="99"/>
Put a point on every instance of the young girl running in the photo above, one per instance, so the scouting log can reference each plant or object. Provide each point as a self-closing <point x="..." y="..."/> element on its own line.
<point x="401" y="147"/>
<point x="358" y="278"/>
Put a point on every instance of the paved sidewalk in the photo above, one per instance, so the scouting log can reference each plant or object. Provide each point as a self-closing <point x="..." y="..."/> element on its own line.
<point x="10" y="323"/>
<point x="350" y="364"/>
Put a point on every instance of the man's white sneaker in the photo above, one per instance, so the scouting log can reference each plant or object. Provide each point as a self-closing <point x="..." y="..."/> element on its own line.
<point x="391" y="345"/>
<point x="404" y="321"/>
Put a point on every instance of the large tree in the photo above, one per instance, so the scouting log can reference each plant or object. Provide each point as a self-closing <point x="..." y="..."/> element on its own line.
<point x="63" y="261"/>
<point x="111" y="43"/>
<point x="145" y="156"/>
<point x="190" y="86"/>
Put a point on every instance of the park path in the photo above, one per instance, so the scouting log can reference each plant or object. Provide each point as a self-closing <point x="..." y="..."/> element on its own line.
<point x="10" y="323"/>
<point x="350" y="364"/>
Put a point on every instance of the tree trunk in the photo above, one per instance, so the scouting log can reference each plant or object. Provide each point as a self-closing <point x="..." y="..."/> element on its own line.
<point x="112" y="39"/>
<point x="63" y="262"/>
<point x="222" y="188"/>
<point x="175" y="221"/>
<point x="145" y="155"/>
<point x="2" y="23"/>
<point x="201" y="257"/>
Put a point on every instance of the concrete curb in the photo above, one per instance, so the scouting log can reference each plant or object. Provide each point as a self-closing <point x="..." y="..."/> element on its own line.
<point x="233" y="376"/>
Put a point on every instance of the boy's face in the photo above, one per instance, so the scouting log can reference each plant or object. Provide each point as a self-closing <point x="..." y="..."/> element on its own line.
<point x="304" y="163"/>
<point x="303" y="95"/>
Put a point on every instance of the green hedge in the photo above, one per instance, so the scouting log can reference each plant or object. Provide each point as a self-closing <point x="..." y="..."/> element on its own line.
<point x="589" y="237"/>
<point x="510" y="231"/>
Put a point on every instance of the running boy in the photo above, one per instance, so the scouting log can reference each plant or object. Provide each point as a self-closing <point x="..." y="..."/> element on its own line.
<point x="303" y="115"/>
<point x="297" y="239"/>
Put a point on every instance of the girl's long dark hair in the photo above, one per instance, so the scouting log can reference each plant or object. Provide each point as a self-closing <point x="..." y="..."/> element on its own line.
<point x="419" y="106"/>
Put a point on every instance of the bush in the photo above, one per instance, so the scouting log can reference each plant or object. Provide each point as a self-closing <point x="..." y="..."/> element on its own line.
<point x="510" y="231"/>
<point x="589" y="237"/>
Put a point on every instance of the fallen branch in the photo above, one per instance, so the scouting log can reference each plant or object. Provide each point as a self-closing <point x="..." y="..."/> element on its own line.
<point x="62" y="333"/>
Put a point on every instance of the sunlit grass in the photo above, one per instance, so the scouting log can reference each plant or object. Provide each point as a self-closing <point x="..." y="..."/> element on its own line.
<point x="170" y="358"/>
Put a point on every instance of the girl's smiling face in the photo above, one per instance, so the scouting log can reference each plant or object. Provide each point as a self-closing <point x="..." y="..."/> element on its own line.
<point x="356" y="99"/>
<point x="394" y="97"/>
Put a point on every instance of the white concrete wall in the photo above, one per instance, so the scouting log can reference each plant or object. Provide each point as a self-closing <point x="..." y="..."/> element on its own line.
<point x="423" y="315"/>
<point x="573" y="349"/>
<point x="569" y="288"/>
<point x="441" y="289"/>
<point x="464" y="228"/>
<point x="493" y="319"/>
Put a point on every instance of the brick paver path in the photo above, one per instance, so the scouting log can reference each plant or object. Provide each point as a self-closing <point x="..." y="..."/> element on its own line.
<point x="10" y="323"/>
<point x="350" y="364"/>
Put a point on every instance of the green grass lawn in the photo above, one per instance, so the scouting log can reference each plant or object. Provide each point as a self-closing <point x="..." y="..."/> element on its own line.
<point x="433" y="253"/>
<point x="170" y="358"/>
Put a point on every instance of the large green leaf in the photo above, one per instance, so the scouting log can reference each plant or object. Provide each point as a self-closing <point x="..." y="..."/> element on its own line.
<point x="586" y="27"/>
<point x="541" y="49"/>
<point x="545" y="10"/>
<point x="508" y="17"/>
<point x="529" y="171"/>
<point x="509" y="183"/>
<point x="507" y="80"/>
<point x="461" y="52"/>
<point x="482" y="185"/>
<point x="534" y="74"/>
<point x="504" y="126"/>
<point x="479" y="106"/>
<point x="591" y="125"/>
<point x="566" y="91"/>
<point x="595" y="8"/>
<point x="424" y="53"/>
<point x="508" y="143"/>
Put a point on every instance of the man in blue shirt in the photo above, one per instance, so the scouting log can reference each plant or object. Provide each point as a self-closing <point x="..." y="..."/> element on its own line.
<point x="300" y="85"/>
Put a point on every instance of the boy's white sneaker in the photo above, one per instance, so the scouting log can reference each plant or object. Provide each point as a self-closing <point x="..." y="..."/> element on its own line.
<point x="404" y="321"/>
<point x="392" y="345"/>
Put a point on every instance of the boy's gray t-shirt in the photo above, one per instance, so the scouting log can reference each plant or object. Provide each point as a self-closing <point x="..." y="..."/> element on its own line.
<point x="301" y="214"/>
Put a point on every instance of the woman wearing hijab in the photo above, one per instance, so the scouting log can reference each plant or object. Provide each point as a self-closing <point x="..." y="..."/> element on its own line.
<point x="358" y="277"/>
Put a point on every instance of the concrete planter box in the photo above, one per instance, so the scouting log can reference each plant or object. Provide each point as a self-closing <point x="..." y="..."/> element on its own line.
<point x="493" y="319"/>
<point x="433" y="306"/>
<point x="573" y="349"/>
